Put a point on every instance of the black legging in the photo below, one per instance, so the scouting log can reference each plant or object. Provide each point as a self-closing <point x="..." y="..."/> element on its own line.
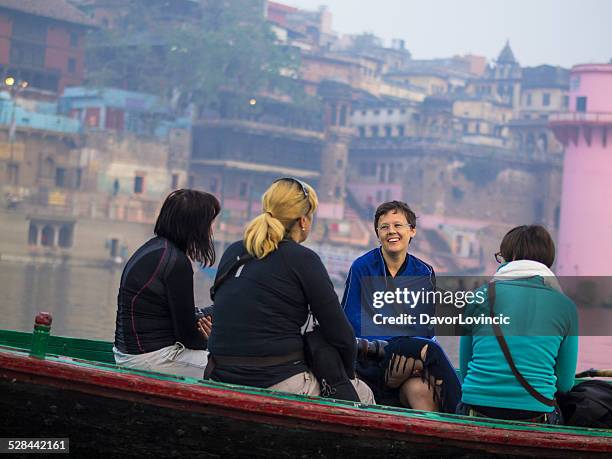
<point x="436" y="366"/>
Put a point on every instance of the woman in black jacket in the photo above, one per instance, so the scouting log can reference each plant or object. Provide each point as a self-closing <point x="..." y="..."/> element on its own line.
<point x="156" y="326"/>
<point x="261" y="308"/>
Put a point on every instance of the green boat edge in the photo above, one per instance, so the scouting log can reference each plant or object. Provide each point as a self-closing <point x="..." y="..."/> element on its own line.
<point x="96" y="354"/>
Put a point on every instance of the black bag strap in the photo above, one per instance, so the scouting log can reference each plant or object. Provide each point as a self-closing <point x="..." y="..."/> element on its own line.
<point x="504" y="347"/>
<point x="221" y="278"/>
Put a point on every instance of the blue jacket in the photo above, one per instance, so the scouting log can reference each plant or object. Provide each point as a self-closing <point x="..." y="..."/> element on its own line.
<point x="370" y="268"/>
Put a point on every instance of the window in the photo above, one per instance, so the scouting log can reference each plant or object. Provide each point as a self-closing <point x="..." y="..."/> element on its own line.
<point x="565" y="101"/>
<point x="60" y="177"/>
<point x="374" y="130"/>
<point x="403" y="111"/>
<point x="65" y="236"/>
<point x="400" y="131"/>
<point x="115" y="119"/>
<point x="338" y="192"/>
<point x="78" y="178"/>
<point x="27" y="54"/>
<point x="33" y="234"/>
<point x="361" y="131"/>
<point x="546" y="99"/>
<point x="458" y="243"/>
<point x="581" y="104"/>
<point x="376" y="112"/>
<point x="48" y="235"/>
<point x="382" y="171"/>
<point x="138" y="184"/>
<point x="114" y="247"/>
<point x="243" y="189"/>
<point x="342" y="121"/>
<point x="339" y="164"/>
<point x="49" y="82"/>
<point x="92" y="117"/>
<point x="30" y="29"/>
<point x="528" y="101"/>
<point x="71" y="65"/>
<point x="12" y="173"/>
<point x="74" y="39"/>
<point x="390" y="111"/>
<point x="387" y="131"/>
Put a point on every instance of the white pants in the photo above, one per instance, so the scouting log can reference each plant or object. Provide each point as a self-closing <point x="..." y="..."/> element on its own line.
<point x="306" y="383"/>
<point x="175" y="359"/>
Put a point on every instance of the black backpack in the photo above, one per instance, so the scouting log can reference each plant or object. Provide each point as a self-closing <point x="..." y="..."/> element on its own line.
<point x="588" y="404"/>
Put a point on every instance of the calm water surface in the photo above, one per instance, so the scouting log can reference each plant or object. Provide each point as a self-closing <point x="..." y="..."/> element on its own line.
<point x="83" y="302"/>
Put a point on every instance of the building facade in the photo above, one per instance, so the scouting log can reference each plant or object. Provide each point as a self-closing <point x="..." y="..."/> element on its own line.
<point x="43" y="43"/>
<point x="586" y="131"/>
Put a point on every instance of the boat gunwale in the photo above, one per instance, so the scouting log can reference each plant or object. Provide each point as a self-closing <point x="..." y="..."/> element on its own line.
<point x="68" y="372"/>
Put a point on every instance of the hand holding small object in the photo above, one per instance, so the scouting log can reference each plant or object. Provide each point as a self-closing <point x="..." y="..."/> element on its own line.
<point x="204" y="325"/>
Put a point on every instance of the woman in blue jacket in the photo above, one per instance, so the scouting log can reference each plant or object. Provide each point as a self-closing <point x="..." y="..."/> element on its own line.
<point x="541" y="339"/>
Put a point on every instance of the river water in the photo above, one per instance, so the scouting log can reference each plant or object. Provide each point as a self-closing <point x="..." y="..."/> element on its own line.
<point x="82" y="301"/>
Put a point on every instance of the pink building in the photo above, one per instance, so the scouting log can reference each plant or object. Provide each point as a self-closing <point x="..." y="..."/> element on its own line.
<point x="585" y="230"/>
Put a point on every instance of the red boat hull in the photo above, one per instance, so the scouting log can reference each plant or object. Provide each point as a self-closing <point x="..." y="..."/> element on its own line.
<point x="281" y="417"/>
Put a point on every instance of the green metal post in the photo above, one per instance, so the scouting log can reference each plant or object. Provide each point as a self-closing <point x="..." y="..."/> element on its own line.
<point x="40" y="336"/>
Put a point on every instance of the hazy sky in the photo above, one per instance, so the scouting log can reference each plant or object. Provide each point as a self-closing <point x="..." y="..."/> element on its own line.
<point x="557" y="32"/>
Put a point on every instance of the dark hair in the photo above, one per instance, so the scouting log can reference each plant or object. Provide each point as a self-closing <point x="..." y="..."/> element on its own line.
<point x="398" y="206"/>
<point x="528" y="242"/>
<point x="185" y="219"/>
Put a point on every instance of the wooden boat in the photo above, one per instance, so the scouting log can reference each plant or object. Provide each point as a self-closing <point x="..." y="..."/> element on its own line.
<point x="76" y="391"/>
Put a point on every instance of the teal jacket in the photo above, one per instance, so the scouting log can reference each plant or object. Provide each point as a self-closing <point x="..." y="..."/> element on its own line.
<point x="548" y="361"/>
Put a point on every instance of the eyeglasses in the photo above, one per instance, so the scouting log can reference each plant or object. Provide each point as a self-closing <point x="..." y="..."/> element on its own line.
<point x="385" y="228"/>
<point x="294" y="180"/>
<point x="499" y="258"/>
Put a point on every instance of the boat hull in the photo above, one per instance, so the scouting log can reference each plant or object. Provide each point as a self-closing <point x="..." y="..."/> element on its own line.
<point x="108" y="411"/>
<point x="129" y="428"/>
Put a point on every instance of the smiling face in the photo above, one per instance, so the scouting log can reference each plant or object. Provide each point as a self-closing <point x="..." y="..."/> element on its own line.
<point x="394" y="232"/>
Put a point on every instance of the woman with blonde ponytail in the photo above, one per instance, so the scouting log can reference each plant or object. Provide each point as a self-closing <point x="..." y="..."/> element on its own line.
<point x="288" y="208"/>
<point x="263" y="303"/>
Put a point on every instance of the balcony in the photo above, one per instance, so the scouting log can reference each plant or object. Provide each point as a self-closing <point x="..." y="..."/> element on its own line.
<point x="572" y="118"/>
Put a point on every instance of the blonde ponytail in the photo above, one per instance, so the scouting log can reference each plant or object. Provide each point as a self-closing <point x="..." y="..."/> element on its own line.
<point x="283" y="203"/>
<point x="263" y="234"/>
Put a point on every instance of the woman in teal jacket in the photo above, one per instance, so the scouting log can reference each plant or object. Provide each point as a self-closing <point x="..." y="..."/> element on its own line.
<point x="541" y="337"/>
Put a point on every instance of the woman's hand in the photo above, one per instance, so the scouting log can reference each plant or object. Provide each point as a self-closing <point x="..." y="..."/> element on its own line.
<point x="205" y="326"/>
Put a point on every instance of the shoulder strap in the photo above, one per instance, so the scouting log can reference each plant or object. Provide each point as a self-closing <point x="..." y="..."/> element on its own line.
<point x="504" y="347"/>
<point x="222" y="277"/>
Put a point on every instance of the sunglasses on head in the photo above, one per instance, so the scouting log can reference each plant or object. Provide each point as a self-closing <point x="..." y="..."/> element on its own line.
<point x="294" y="180"/>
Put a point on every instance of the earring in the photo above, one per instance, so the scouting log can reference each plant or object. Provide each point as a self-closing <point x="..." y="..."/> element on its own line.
<point x="303" y="229"/>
